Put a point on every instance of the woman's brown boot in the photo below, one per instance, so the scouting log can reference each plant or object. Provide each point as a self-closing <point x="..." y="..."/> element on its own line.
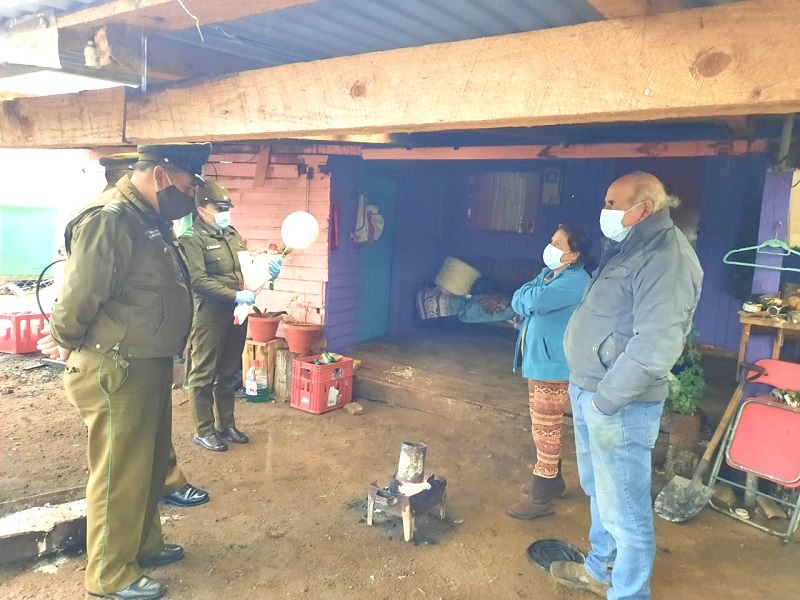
<point x="540" y="502"/>
<point x="557" y="485"/>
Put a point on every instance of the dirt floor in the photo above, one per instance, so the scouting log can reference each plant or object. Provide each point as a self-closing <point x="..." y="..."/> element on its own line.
<point x="286" y="519"/>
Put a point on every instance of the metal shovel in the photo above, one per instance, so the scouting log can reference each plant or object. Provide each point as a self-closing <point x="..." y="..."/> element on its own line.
<point x="681" y="499"/>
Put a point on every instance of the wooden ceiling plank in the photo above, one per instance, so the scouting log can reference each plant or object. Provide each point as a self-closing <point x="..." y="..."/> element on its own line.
<point x="577" y="151"/>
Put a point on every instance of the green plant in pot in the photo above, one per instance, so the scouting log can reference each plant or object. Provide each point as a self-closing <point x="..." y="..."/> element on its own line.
<point x="687" y="384"/>
<point x="300" y="334"/>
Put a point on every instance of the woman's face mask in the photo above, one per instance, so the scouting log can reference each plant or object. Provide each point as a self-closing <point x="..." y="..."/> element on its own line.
<point x="611" y="223"/>
<point x="219" y="220"/>
<point x="552" y="257"/>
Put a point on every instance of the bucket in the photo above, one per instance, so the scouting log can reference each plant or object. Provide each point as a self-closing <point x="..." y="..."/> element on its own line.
<point x="411" y="468"/>
<point x="456" y="276"/>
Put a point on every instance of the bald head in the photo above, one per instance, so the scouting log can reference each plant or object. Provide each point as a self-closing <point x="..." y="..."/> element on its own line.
<point x="641" y="194"/>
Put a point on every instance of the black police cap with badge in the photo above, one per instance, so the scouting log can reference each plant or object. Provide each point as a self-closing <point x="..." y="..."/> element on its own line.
<point x="187" y="157"/>
<point x="214" y="193"/>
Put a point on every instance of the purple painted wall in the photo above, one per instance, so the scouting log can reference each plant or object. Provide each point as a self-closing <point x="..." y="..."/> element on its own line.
<point x="730" y="214"/>
<point x="341" y="301"/>
<point x="431" y="224"/>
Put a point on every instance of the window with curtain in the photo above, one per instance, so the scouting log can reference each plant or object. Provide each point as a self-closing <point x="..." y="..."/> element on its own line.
<point x="504" y="200"/>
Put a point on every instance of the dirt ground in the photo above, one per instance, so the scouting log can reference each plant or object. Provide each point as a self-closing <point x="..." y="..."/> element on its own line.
<point x="286" y="519"/>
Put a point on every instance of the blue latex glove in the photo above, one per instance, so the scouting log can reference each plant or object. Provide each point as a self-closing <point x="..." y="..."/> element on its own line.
<point x="275" y="267"/>
<point x="245" y="297"/>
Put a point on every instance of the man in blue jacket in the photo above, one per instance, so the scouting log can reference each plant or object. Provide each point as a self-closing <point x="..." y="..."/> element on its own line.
<point x="620" y="344"/>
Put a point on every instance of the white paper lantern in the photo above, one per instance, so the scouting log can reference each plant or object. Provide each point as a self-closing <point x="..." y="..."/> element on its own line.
<point x="299" y="230"/>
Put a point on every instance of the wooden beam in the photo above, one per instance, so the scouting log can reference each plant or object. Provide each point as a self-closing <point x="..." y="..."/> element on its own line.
<point x="168" y="15"/>
<point x="627" y="150"/>
<point x="694" y="64"/>
<point x="622" y="9"/>
<point x="690" y="64"/>
<point x="94" y="118"/>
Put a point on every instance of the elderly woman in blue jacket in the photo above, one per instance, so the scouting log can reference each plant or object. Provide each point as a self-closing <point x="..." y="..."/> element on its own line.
<point x="546" y="305"/>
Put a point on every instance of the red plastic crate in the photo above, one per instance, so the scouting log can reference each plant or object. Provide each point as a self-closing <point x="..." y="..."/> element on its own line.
<point x="312" y="384"/>
<point x="19" y="331"/>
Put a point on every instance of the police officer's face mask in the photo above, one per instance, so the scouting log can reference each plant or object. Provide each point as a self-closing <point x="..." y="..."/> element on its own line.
<point x="218" y="220"/>
<point x="173" y="203"/>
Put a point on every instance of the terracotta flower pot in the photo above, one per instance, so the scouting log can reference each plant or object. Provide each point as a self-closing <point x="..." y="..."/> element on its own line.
<point x="263" y="329"/>
<point x="684" y="430"/>
<point x="300" y="337"/>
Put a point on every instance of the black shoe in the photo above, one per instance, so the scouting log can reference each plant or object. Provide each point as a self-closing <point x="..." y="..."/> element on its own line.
<point x="187" y="496"/>
<point x="240" y="393"/>
<point x="233" y="435"/>
<point x="143" y="588"/>
<point x="170" y="554"/>
<point x="211" y="442"/>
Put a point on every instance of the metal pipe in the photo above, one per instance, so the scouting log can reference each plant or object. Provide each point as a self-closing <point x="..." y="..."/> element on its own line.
<point x="786" y="139"/>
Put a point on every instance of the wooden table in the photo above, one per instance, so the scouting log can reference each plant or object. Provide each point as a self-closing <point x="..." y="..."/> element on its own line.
<point x="779" y="327"/>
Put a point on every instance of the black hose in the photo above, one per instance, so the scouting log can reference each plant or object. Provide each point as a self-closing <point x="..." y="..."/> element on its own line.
<point x="39" y="285"/>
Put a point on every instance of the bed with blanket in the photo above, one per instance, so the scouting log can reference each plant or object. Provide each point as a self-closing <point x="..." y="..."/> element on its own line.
<point x="489" y="298"/>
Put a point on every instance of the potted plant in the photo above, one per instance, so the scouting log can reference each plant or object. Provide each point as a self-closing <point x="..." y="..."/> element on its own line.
<point x="687" y="383"/>
<point x="300" y="334"/>
<point x="264" y="325"/>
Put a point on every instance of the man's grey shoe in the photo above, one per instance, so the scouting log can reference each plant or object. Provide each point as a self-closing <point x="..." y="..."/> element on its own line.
<point x="575" y="576"/>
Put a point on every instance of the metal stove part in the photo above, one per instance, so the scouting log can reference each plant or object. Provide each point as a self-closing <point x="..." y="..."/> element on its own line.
<point x="411" y="467"/>
<point x="407" y="506"/>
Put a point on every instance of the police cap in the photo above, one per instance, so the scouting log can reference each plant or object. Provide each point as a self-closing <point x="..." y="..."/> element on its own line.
<point x="119" y="162"/>
<point x="187" y="157"/>
<point x="214" y="193"/>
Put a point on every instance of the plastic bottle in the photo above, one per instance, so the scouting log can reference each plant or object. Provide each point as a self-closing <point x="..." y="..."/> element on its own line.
<point x="256" y="385"/>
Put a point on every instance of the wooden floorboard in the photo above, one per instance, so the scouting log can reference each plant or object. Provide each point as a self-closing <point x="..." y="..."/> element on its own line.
<point x="459" y="371"/>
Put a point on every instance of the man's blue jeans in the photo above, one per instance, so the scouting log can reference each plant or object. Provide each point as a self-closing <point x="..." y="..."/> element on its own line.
<point x="614" y="465"/>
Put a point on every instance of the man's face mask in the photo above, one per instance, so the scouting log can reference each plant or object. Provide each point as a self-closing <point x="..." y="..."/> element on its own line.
<point x="173" y="203"/>
<point x="611" y="223"/>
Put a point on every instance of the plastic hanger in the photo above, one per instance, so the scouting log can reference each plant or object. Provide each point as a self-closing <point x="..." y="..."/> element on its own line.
<point x="774" y="247"/>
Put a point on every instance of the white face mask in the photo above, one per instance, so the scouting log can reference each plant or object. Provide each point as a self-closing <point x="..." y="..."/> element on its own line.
<point x="611" y="223"/>
<point x="552" y="257"/>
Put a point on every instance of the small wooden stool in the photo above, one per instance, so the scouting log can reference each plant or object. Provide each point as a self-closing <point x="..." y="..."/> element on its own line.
<point x="264" y="352"/>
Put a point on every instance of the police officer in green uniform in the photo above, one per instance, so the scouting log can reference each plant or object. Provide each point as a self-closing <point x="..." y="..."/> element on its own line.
<point x="211" y="246"/>
<point x="177" y="490"/>
<point x="125" y="309"/>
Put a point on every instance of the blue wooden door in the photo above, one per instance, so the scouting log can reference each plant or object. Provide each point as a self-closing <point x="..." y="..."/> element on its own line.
<point x="375" y="262"/>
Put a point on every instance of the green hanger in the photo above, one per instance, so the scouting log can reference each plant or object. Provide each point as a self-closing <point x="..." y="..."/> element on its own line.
<point x="779" y="248"/>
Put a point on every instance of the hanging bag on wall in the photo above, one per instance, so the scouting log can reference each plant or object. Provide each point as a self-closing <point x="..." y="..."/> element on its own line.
<point x="369" y="223"/>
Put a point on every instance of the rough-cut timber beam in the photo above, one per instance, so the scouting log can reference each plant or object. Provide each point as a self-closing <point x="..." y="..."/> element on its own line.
<point x="627" y="150"/>
<point x="693" y="64"/>
<point x="95" y="118"/>
<point x="621" y="9"/>
<point x="167" y="15"/>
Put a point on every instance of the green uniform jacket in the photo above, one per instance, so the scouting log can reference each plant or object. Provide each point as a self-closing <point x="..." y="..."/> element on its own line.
<point x="214" y="264"/>
<point x="126" y="286"/>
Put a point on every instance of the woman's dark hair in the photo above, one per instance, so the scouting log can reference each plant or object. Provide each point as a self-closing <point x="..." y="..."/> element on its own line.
<point x="579" y="242"/>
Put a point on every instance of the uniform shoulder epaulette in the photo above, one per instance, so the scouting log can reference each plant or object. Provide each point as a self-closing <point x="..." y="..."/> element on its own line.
<point x="115" y="206"/>
<point x="188" y="233"/>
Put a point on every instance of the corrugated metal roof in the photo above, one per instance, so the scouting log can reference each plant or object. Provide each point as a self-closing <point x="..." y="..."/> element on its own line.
<point x="332" y="28"/>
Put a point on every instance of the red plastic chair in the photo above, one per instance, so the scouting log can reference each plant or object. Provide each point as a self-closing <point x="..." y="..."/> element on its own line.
<point x="764" y="440"/>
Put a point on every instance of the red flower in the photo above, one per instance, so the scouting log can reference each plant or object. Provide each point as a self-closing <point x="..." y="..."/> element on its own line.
<point x="273" y="247"/>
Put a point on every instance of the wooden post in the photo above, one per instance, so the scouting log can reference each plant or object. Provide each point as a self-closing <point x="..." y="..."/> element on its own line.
<point x="283" y="374"/>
